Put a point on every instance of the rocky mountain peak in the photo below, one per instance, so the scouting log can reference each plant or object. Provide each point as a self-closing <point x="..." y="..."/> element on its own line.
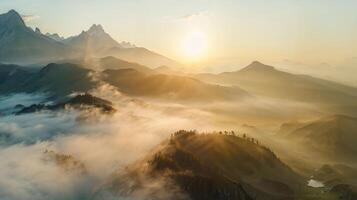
<point x="37" y="30"/>
<point x="11" y="19"/>
<point x="96" y="29"/>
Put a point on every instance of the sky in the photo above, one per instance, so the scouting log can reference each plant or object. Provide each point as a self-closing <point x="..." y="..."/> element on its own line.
<point x="212" y="33"/>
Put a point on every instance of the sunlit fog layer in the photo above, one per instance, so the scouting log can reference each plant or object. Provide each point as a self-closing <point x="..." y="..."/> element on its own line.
<point x="178" y="100"/>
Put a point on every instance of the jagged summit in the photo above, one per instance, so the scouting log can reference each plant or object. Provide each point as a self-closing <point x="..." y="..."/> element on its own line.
<point x="94" y="40"/>
<point x="10" y="19"/>
<point x="55" y="36"/>
<point x="37" y="30"/>
<point x="96" y="29"/>
<point x="13" y="13"/>
<point x="257" y="66"/>
<point x="23" y="45"/>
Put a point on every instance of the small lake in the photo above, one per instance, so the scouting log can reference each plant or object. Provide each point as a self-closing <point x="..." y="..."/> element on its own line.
<point x="315" y="183"/>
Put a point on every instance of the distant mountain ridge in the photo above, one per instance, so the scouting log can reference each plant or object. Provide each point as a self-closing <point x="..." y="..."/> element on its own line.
<point x="92" y="41"/>
<point x="185" y="88"/>
<point x="257" y="66"/>
<point x="59" y="80"/>
<point x="264" y="80"/>
<point x="55" y="36"/>
<point x="111" y="62"/>
<point x="20" y="44"/>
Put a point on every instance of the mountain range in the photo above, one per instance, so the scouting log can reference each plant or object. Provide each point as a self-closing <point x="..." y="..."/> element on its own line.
<point x="257" y="77"/>
<point x="211" y="165"/>
<point x="57" y="80"/>
<point x="266" y="81"/>
<point x="22" y="45"/>
<point x="334" y="136"/>
<point x="60" y="80"/>
<point x="255" y="80"/>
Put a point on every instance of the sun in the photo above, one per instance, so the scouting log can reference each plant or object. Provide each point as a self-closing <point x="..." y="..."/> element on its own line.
<point x="194" y="45"/>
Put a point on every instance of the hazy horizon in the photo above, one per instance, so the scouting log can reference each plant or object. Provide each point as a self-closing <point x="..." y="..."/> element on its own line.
<point x="230" y="33"/>
<point x="178" y="100"/>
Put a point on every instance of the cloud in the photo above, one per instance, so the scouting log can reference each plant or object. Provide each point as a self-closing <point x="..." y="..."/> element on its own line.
<point x="193" y="16"/>
<point x="25" y="174"/>
<point x="10" y="101"/>
<point x="28" y="18"/>
<point x="103" y="143"/>
<point x="188" y="17"/>
<point x="35" y="127"/>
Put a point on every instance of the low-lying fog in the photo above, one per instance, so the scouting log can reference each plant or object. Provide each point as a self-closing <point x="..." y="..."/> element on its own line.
<point x="105" y="143"/>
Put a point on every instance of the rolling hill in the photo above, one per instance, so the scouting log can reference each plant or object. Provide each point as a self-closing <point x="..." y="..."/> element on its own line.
<point x="335" y="174"/>
<point x="142" y="56"/>
<point x="208" y="167"/>
<point x="267" y="81"/>
<point x="334" y="136"/>
<point x="136" y="83"/>
<point x="15" y="73"/>
<point x="80" y="102"/>
<point x="111" y="62"/>
<point x="57" y="80"/>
